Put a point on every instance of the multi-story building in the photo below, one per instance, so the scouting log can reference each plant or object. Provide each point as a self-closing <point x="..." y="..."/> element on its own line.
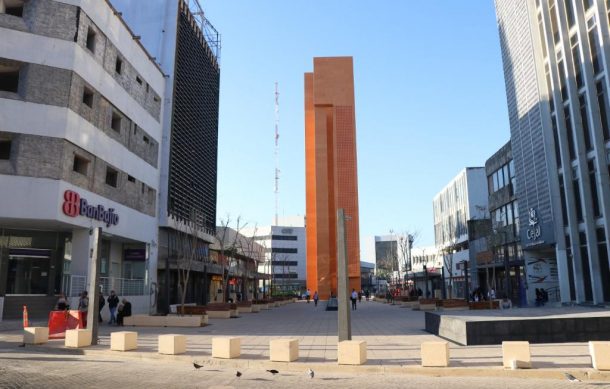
<point x="556" y="59"/>
<point x="426" y="272"/>
<point x="80" y="129"/>
<point x="503" y="268"/>
<point x="285" y="262"/>
<point x="331" y="172"/>
<point x="461" y="205"/>
<point x="186" y="46"/>
<point x="391" y="254"/>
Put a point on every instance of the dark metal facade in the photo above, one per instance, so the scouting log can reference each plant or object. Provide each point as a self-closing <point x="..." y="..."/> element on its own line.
<point x="194" y="133"/>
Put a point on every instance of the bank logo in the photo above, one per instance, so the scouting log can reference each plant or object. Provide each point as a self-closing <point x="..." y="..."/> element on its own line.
<point x="71" y="205"/>
<point x="74" y="206"/>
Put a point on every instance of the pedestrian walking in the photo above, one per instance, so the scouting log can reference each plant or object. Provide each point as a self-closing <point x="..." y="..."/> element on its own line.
<point x="101" y="304"/>
<point x="360" y="296"/>
<point x="315" y="298"/>
<point x="83" y="307"/>
<point x="113" y="302"/>
<point x="354" y="299"/>
<point x="308" y="296"/>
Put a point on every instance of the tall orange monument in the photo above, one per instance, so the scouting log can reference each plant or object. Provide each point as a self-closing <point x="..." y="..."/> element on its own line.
<point x="331" y="172"/>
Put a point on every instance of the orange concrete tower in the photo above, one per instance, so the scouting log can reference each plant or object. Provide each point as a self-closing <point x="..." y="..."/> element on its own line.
<point x="331" y="172"/>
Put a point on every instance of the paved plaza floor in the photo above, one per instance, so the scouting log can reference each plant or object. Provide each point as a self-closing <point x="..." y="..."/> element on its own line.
<point x="393" y="335"/>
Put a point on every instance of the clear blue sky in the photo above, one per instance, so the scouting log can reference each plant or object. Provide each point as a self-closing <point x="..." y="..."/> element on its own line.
<point x="430" y="100"/>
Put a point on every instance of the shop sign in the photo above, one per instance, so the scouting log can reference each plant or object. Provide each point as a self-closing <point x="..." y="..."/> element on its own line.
<point x="74" y="206"/>
<point x="134" y="254"/>
<point x="533" y="231"/>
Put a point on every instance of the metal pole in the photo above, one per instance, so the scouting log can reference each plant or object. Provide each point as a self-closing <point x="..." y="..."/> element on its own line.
<point x="466" y="289"/>
<point x="94" y="290"/>
<point x="344" y="319"/>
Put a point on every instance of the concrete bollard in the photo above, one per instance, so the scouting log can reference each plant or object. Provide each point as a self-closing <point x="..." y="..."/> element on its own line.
<point x="284" y="350"/>
<point x="351" y="352"/>
<point x="172" y="344"/>
<point x="123" y="340"/>
<point x="228" y="347"/>
<point x="516" y="355"/>
<point x="35" y="335"/>
<point x="435" y="354"/>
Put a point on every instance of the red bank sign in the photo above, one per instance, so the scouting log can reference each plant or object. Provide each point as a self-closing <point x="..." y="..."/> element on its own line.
<point x="74" y="206"/>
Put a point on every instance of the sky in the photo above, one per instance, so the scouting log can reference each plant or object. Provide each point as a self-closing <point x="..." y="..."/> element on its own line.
<point x="430" y="100"/>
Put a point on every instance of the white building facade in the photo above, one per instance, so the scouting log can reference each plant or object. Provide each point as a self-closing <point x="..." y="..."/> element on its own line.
<point x="463" y="200"/>
<point x="80" y="128"/>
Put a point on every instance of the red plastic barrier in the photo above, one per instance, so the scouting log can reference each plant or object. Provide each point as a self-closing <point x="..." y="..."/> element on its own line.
<point x="60" y="321"/>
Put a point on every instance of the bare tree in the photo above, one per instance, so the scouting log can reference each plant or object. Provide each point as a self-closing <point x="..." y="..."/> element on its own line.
<point x="405" y="244"/>
<point x="228" y="241"/>
<point x="188" y="250"/>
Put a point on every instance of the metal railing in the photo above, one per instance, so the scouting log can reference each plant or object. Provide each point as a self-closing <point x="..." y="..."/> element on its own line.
<point x="121" y="286"/>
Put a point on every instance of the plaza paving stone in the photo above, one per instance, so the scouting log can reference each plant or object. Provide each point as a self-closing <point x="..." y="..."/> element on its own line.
<point x="393" y="335"/>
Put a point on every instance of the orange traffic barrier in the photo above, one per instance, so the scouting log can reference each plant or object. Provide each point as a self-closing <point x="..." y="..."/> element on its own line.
<point x="26" y="321"/>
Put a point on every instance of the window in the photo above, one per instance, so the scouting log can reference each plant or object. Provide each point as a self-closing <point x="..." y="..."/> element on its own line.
<point x="594" y="43"/>
<point x="14" y="7"/>
<point x="88" y="97"/>
<point x="283" y="237"/>
<point x="115" y="123"/>
<point x="9" y="77"/>
<point x="594" y="195"/>
<point x="602" y="108"/>
<point x="284" y="250"/>
<point x="118" y="66"/>
<point x="131" y="178"/>
<point x="91" y="40"/>
<point x="139" y="80"/>
<point x="112" y="177"/>
<point x="5" y="149"/>
<point x="585" y="121"/>
<point x="285" y="263"/>
<point x="570" y="13"/>
<point x="570" y="136"/>
<point x="80" y="165"/>
<point x="146" y="140"/>
<point x="156" y="99"/>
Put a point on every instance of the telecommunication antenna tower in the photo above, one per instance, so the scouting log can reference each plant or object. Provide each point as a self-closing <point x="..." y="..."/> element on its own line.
<point x="277" y="152"/>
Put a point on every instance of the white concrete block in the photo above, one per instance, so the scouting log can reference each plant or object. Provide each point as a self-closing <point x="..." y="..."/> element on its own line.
<point x="172" y="344"/>
<point x="78" y="338"/>
<point x="351" y="352"/>
<point x="519" y="352"/>
<point x="123" y="340"/>
<point x="35" y="335"/>
<point x="435" y="354"/>
<point x="600" y="355"/>
<point x="284" y="350"/>
<point x="227" y="347"/>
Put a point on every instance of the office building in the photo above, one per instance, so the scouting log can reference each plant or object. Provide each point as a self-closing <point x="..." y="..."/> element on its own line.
<point x="556" y="57"/>
<point x="187" y="48"/>
<point x="458" y="210"/>
<point x="285" y="259"/>
<point x="80" y="129"/>
<point x="331" y="171"/>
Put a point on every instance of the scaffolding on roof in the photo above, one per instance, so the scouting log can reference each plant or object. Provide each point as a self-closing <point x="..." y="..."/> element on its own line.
<point x="210" y="34"/>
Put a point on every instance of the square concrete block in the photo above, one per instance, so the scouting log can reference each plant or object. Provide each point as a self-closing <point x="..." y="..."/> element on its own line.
<point x="229" y="347"/>
<point x="78" y="338"/>
<point x="600" y="355"/>
<point x="219" y="314"/>
<point x="35" y="335"/>
<point x="172" y="344"/>
<point x="284" y="350"/>
<point x="123" y="340"/>
<point x="435" y="354"/>
<point x="519" y="352"/>
<point x="256" y="308"/>
<point x="351" y="352"/>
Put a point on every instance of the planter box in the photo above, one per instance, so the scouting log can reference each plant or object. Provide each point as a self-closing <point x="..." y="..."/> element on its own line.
<point x="245" y="309"/>
<point x="255" y="308"/>
<point x="183" y="321"/>
<point x="166" y="321"/>
<point x="219" y="314"/>
<point x="234" y="312"/>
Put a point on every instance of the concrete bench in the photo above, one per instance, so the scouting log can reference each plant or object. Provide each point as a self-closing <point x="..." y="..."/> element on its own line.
<point x="228" y="347"/>
<point x="255" y="308"/>
<point x="351" y="352"/>
<point x="245" y="309"/>
<point x="172" y="344"/>
<point x="284" y="350"/>
<point x="435" y="354"/>
<point x="35" y="335"/>
<point x="219" y="314"/>
<point x="516" y="355"/>
<point x="78" y="338"/>
<point x="171" y="320"/>
<point x="600" y="355"/>
<point x="123" y="340"/>
<point x="184" y="321"/>
<point x="234" y="312"/>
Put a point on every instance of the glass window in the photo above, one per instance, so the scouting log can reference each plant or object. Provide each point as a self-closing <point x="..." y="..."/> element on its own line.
<point x="594" y="194"/>
<point x="585" y="120"/>
<point x="603" y="106"/>
<point x="570" y="136"/>
<point x="509" y="214"/>
<point x="594" y="44"/>
<point x="495" y="175"/>
<point x="500" y="179"/>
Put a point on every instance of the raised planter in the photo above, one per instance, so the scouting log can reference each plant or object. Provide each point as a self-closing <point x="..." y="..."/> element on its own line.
<point x="166" y="321"/>
<point x="484" y="305"/>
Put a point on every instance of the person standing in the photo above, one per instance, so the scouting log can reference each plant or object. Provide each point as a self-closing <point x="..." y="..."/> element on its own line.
<point x="124" y="311"/>
<point x="83" y="307"/>
<point x="315" y="298"/>
<point x="113" y="302"/>
<point x="307" y="295"/>
<point x="101" y="303"/>
<point x="354" y="299"/>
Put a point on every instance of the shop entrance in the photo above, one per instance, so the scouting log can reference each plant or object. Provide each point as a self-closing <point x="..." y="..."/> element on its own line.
<point x="28" y="271"/>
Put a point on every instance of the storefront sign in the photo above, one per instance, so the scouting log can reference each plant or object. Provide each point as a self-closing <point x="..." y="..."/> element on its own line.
<point x="134" y="254"/>
<point x="74" y="206"/>
<point x="533" y="231"/>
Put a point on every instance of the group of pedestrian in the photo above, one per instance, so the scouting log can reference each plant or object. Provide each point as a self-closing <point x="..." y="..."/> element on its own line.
<point x="118" y="311"/>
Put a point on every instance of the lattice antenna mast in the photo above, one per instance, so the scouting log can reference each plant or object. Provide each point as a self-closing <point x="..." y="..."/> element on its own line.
<point x="277" y="153"/>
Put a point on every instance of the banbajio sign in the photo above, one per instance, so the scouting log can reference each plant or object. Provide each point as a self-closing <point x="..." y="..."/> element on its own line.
<point x="74" y="205"/>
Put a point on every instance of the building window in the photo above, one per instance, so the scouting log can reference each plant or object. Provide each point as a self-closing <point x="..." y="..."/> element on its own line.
<point x="5" y="149"/>
<point x="80" y="165"/>
<point x="118" y="66"/>
<point x="603" y="113"/>
<point x="115" y="123"/>
<point x="584" y="117"/>
<point x="112" y="177"/>
<point x="569" y="135"/>
<point x="594" y="43"/>
<point x="131" y="178"/>
<point x="594" y="195"/>
<point x="146" y="140"/>
<point x="91" y="40"/>
<point x="138" y="80"/>
<point x="284" y="250"/>
<point x="88" y="97"/>
<point x="283" y="237"/>
<point x="14" y="7"/>
<point x="9" y="77"/>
